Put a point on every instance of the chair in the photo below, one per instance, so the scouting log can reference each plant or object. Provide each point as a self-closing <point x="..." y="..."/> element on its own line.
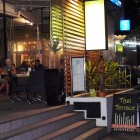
<point x="37" y="86"/>
<point x="18" y="85"/>
<point x="12" y="84"/>
<point x="54" y="86"/>
<point x="22" y="86"/>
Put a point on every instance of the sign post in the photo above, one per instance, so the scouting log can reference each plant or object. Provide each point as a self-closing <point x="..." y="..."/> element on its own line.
<point x="124" y="116"/>
<point x="78" y="74"/>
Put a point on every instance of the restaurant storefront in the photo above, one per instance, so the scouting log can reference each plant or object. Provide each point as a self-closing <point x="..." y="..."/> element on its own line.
<point x="57" y="21"/>
<point x="66" y="24"/>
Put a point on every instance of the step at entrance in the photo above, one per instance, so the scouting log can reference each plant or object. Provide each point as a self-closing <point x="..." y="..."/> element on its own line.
<point x="53" y="123"/>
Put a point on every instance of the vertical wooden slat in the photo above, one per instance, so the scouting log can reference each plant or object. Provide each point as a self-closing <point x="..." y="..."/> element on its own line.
<point x="73" y="36"/>
<point x="68" y="23"/>
<point x="56" y="20"/>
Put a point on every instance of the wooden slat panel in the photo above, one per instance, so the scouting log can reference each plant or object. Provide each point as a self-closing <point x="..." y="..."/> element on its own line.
<point x="67" y="62"/>
<point x="69" y="35"/>
<point x="65" y="79"/>
<point x="72" y="7"/>
<point x="67" y="27"/>
<point x="68" y="92"/>
<point x="67" y="67"/>
<point x="74" y="17"/>
<point x="77" y="2"/>
<point x="56" y="19"/>
<point x="75" y="51"/>
<point x="67" y="58"/>
<point x="68" y="83"/>
<point x="74" y="36"/>
<point x="67" y="74"/>
<point x="67" y="70"/>
<point x="74" y="32"/>
<point x="79" y="15"/>
<point x="75" y="48"/>
<point x="68" y="87"/>
<point x="74" y="21"/>
<point x="93" y="55"/>
<point x="69" y="39"/>
<point x="73" y="44"/>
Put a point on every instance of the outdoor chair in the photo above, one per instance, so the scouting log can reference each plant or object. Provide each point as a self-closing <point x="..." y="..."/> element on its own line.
<point x="22" y="88"/>
<point x="12" y="84"/>
<point x="37" y="86"/>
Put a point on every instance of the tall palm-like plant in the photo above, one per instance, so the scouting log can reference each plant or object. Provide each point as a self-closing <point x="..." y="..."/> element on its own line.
<point x="54" y="47"/>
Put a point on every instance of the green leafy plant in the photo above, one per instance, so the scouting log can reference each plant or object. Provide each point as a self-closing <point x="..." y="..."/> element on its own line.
<point x="111" y="74"/>
<point x="124" y="79"/>
<point x="114" y="77"/>
<point x="92" y="76"/>
<point x="54" y="47"/>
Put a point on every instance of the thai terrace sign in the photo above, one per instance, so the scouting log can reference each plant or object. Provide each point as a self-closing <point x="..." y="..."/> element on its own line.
<point x="124" y="116"/>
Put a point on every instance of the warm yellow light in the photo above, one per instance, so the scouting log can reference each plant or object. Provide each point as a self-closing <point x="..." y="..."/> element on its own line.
<point x="20" y="48"/>
<point x="31" y="23"/>
<point x="22" y="21"/>
<point x="95" y="25"/>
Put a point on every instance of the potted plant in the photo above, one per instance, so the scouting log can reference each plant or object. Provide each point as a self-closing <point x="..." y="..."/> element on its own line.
<point x="92" y="77"/>
<point x="113" y="79"/>
<point x="54" y="47"/>
<point x="111" y="74"/>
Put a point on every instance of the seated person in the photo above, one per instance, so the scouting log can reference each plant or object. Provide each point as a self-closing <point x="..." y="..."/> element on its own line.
<point x="3" y="82"/>
<point x="10" y="69"/>
<point x="23" y="67"/>
<point x="38" y="66"/>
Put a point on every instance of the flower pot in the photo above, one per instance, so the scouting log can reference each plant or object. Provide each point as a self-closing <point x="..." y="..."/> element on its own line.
<point x="101" y="94"/>
<point x="92" y="93"/>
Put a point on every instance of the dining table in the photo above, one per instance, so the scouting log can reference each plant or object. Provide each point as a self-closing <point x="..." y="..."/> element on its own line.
<point x="3" y="74"/>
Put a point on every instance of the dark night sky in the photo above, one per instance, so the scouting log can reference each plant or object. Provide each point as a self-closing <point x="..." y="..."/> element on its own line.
<point x="131" y="12"/>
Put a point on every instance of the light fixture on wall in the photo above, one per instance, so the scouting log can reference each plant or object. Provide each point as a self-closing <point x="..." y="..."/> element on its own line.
<point x="27" y="22"/>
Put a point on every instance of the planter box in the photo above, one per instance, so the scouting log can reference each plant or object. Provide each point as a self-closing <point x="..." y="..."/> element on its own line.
<point x="99" y="108"/>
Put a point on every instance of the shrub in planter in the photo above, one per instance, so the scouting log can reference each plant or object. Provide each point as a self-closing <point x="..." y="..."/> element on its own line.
<point x="92" y="76"/>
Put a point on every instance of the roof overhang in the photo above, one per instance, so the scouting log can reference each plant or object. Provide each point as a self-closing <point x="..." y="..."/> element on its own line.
<point x="9" y="10"/>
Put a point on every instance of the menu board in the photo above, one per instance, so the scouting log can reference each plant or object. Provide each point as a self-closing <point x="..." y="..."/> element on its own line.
<point x="124" y="116"/>
<point x="78" y="74"/>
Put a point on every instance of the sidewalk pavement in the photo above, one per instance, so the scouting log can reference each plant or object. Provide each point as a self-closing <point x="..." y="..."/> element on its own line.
<point x="7" y="107"/>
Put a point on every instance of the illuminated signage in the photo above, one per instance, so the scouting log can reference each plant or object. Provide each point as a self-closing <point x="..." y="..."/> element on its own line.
<point x="124" y="25"/>
<point x="119" y="48"/>
<point x="117" y="2"/>
<point x="124" y="116"/>
<point x="95" y="23"/>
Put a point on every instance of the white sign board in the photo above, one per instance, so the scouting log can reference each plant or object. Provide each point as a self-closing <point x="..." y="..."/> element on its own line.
<point x="78" y="74"/>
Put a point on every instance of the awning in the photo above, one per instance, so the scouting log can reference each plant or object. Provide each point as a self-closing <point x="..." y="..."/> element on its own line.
<point x="9" y="10"/>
